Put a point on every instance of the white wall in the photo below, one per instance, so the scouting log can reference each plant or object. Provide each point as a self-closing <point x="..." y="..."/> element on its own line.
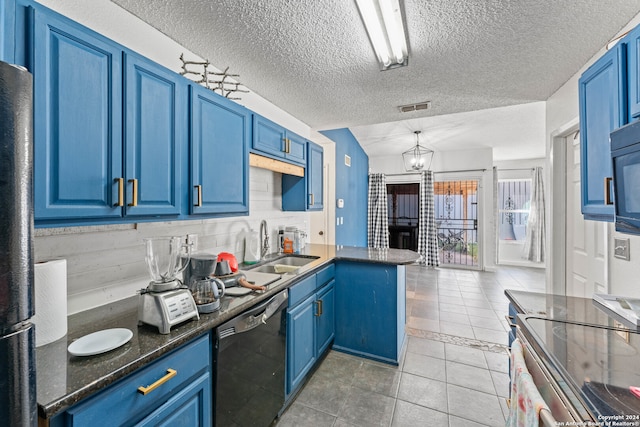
<point x="562" y="110"/>
<point x="473" y="161"/>
<point x="106" y="263"/>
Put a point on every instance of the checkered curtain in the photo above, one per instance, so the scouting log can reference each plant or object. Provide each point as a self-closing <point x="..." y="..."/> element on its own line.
<point x="535" y="240"/>
<point x="427" y="228"/>
<point x="378" y="218"/>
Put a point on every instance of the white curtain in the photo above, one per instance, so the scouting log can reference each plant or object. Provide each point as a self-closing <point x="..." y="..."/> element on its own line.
<point x="427" y="228"/>
<point x="378" y="217"/>
<point x="535" y="239"/>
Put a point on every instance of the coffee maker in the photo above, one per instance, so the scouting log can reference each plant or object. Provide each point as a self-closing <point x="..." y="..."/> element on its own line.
<point x="207" y="291"/>
<point x="166" y="302"/>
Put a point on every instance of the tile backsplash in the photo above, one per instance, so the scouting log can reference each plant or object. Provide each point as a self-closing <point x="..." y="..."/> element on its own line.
<point x="106" y="263"/>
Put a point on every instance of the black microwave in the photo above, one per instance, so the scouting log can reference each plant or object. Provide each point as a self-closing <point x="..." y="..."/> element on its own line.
<point x="625" y="155"/>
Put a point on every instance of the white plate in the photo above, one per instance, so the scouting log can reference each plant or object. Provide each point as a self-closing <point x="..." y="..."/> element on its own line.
<point x="100" y="342"/>
<point x="237" y="291"/>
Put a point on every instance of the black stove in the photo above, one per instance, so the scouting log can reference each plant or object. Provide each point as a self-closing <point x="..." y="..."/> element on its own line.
<point x="596" y="365"/>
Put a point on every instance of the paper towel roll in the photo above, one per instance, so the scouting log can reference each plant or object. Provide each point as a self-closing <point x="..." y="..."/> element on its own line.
<point x="51" y="301"/>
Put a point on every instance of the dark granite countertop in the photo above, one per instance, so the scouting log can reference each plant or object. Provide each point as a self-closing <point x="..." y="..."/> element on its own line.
<point x="63" y="380"/>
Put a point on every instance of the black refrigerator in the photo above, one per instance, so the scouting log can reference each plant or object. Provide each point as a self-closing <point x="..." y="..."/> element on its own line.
<point x="18" y="406"/>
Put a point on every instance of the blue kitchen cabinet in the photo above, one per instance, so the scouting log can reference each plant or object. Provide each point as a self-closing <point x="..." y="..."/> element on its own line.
<point x="602" y="104"/>
<point x="109" y="128"/>
<point x="155" y="112"/>
<point x="310" y="324"/>
<point x="7" y="23"/>
<point x="78" y="126"/>
<point x="305" y="193"/>
<point x="296" y="148"/>
<point x="190" y="407"/>
<point x="185" y="394"/>
<point x="315" y="176"/>
<point x="370" y="310"/>
<point x="326" y="318"/>
<point x="277" y="142"/>
<point x="632" y="42"/>
<point x="220" y="132"/>
<point x="301" y="342"/>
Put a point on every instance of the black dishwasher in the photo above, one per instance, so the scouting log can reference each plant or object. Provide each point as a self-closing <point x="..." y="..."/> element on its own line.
<point x="250" y="365"/>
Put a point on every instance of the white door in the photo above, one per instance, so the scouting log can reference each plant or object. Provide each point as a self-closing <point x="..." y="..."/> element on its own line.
<point x="586" y="250"/>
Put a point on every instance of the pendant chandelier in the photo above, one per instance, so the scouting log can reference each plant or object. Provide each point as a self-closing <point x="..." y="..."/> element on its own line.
<point x="418" y="157"/>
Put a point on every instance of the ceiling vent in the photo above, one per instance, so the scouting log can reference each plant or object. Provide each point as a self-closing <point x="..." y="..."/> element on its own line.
<point x="415" y="107"/>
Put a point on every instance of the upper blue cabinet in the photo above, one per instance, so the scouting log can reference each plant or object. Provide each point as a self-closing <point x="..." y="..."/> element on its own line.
<point x="108" y="137"/>
<point x="632" y="41"/>
<point x="603" y="99"/>
<point x="155" y="133"/>
<point x="277" y="142"/>
<point x="78" y="121"/>
<point x="118" y="137"/>
<point x="315" y="175"/>
<point x="305" y="193"/>
<point x="220" y="131"/>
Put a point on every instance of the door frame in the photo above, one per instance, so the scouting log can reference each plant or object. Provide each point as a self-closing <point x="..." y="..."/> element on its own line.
<point x="556" y="225"/>
<point x="480" y="210"/>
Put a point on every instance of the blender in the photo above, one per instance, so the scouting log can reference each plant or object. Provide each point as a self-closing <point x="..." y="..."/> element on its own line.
<point x="206" y="290"/>
<point x="166" y="301"/>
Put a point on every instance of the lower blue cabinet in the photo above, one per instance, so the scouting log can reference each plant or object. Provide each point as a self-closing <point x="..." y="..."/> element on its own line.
<point x="370" y="310"/>
<point x="310" y="325"/>
<point x="185" y="395"/>
<point x="301" y="345"/>
<point x="326" y="326"/>
<point x="190" y="407"/>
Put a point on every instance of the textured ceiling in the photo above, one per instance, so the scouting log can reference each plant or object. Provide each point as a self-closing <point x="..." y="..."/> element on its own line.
<point x="313" y="58"/>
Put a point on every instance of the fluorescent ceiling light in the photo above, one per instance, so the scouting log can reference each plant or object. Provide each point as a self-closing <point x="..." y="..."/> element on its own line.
<point x="383" y="21"/>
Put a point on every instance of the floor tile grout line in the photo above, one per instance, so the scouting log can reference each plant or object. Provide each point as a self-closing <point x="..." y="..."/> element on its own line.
<point x="457" y="340"/>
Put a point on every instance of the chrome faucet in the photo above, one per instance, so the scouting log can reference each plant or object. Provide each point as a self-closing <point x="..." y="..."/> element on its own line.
<point x="264" y="238"/>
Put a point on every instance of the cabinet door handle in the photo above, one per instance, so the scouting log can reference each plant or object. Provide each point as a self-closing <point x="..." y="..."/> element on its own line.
<point x="146" y="390"/>
<point x="313" y="200"/>
<point x="319" y="308"/>
<point x="120" y="201"/>
<point x="199" y="197"/>
<point x="607" y="190"/>
<point x="134" y="193"/>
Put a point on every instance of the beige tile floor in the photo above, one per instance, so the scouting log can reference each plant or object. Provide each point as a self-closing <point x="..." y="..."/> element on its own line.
<point x="455" y="366"/>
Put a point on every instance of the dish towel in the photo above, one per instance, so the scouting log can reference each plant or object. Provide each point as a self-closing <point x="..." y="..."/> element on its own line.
<point x="526" y="401"/>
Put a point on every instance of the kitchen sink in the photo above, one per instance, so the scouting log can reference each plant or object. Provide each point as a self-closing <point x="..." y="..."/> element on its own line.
<point x="285" y="264"/>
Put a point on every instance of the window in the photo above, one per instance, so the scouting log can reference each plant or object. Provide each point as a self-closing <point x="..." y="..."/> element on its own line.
<point x="514" y="199"/>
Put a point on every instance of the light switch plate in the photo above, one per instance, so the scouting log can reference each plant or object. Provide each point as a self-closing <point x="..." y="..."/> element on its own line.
<point x="621" y="248"/>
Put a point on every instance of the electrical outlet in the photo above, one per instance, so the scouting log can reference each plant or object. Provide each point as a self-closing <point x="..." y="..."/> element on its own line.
<point x="621" y="248"/>
<point x="192" y="239"/>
